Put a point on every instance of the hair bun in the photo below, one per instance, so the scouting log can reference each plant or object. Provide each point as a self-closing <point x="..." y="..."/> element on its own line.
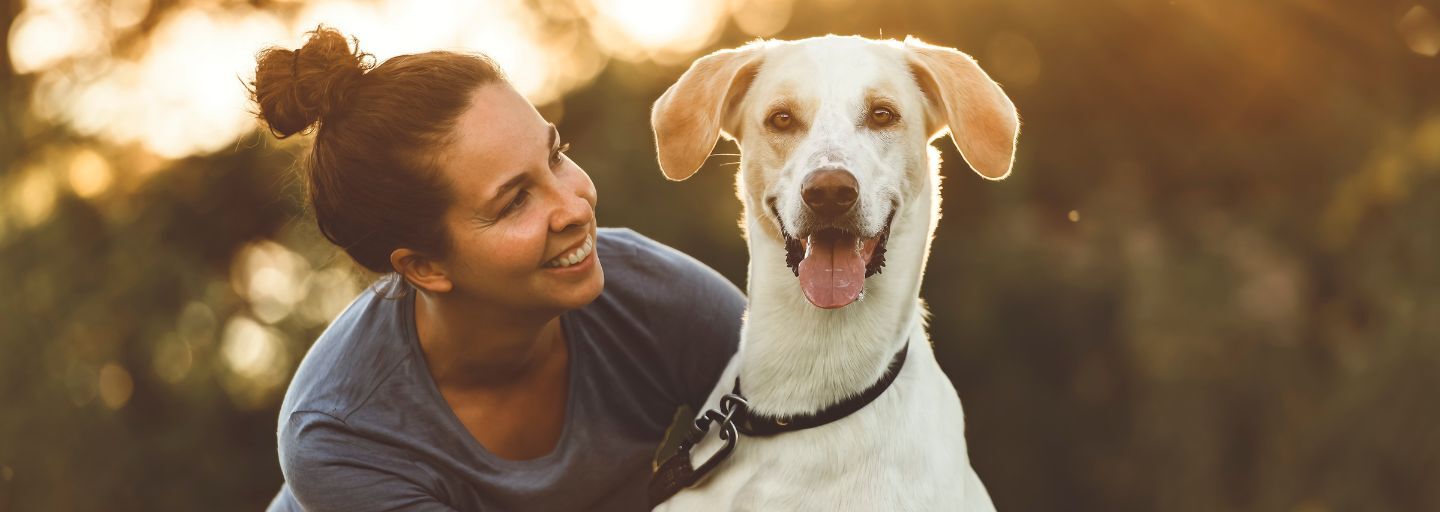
<point x="297" y="88"/>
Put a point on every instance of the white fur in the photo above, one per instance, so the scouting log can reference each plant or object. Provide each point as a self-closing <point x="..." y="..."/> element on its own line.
<point x="906" y="450"/>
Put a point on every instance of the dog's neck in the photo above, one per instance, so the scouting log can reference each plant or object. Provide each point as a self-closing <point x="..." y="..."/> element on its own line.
<point x="797" y="358"/>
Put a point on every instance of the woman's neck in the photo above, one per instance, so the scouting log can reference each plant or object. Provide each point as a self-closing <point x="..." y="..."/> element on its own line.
<point x="472" y="345"/>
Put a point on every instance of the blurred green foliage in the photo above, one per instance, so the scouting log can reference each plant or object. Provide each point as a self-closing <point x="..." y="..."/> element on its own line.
<point x="1210" y="283"/>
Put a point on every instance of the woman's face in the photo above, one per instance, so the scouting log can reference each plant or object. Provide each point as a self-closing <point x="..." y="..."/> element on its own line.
<point x="522" y="212"/>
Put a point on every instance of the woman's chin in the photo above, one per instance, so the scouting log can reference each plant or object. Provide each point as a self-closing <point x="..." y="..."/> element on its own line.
<point x="575" y="290"/>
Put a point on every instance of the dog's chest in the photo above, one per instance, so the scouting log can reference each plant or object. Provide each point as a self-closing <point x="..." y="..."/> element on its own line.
<point x="903" y="452"/>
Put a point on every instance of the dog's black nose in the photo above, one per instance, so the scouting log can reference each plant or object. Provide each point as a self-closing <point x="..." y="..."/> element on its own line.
<point x="830" y="193"/>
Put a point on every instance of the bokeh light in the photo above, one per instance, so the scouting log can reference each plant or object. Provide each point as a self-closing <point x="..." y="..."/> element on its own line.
<point x="762" y="18"/>
<point x="256" y="358"/>
<point x="1421" y="31"/>
<point x="48" y="33"/>
<point x="656" y="29"/>
<point x="115" y="385"/>
<point x="90" y="174"/>
<point x="328" y="292"/>
<point x="271" y="277"/>
<point x="32" y="196"/>
<point x="173" y="359"/>
<point x="175" y="93"/>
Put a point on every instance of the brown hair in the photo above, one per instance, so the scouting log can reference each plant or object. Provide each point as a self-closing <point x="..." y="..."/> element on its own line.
<point x="372" y="178"/>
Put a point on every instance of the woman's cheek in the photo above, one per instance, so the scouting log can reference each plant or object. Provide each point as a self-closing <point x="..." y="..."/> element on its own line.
<point x="531" y="236"/>
<point x="500" y="246"/>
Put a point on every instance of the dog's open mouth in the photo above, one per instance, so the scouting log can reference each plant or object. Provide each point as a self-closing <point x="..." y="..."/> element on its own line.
<point x="832" y="263"/>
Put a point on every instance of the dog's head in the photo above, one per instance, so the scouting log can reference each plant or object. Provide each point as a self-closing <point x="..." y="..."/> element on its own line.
<point x="834" y="133"/>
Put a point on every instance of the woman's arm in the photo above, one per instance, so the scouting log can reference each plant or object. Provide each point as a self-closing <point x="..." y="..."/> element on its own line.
<point x="327" y="467"/>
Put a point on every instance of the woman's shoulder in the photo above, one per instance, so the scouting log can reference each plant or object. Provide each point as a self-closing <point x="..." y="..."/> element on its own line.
<point x="645" y="279"/>
<point x="630" y="259"/>
<point x="690" y="313"/>
<point x="628" y="248"/>
<point x="354" y="354"/>
<point x="628" y="243"/>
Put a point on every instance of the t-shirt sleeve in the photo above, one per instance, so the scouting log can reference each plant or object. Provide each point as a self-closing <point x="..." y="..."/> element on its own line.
<point x="327" y="467"/>
<point x="720" y="311"/>
<point x="701" y="312"/>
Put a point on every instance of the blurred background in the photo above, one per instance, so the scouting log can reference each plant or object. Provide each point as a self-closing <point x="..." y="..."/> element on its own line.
<point x="1210" y="284"/>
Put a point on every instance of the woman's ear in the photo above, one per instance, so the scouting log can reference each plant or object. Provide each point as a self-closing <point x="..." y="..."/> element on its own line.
<point x="422" y="272"/>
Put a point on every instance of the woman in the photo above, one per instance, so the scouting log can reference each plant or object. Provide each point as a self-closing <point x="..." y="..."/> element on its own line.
<point x="520" y="359"/>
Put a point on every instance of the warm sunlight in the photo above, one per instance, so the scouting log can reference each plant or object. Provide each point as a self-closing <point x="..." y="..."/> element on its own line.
<point x="663" y="29"/>
<point x="43" y="36"/>
<point x="179" y="93"/>
<point x="181" y="96"/>
<point x="256" y="360"/>
<point x="1209" y="283"/>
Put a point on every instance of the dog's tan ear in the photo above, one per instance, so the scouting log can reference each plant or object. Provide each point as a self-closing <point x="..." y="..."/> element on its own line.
<point x="981" y="118"/>
<point x="688" y="118"/>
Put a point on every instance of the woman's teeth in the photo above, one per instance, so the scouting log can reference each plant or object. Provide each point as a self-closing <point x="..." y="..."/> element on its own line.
<point x="575" y="256"/>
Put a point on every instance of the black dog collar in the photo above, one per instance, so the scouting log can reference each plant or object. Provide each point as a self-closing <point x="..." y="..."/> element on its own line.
<point x="734" y="418"/>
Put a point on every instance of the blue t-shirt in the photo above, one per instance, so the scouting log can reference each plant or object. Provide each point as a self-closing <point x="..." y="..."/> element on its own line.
<point x="364" y="427"/>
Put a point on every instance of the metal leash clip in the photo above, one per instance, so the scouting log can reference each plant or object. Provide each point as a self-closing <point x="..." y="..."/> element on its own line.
<point x="731" y="406"/>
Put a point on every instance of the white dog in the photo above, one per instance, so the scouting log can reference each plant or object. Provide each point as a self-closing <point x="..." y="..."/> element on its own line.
<point x="838" y="179"/>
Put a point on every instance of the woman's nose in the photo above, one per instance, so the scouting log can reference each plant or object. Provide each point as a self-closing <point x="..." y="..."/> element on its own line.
<point x="574" y="209"/>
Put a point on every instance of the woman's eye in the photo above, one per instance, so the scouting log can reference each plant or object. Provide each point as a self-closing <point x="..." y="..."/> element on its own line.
<point x="559" y="150"/>
<point x="515" y="203"/>
<point x="881" y="117"/>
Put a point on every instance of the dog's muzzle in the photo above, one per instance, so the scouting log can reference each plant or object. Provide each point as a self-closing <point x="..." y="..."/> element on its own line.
<point x="833" y="258"/>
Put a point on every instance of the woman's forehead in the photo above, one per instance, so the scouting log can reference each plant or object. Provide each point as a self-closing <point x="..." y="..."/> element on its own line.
<point x="498" y="134"/>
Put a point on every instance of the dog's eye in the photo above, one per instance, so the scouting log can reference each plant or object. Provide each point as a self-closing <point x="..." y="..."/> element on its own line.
<point x="781" y="120"/>
<point x="881" y="117"/>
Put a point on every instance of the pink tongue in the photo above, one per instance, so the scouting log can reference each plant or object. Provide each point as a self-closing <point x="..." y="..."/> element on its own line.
<point x="832" y="273"/>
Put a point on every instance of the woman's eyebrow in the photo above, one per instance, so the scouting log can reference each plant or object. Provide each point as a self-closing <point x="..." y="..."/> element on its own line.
<point x="521" y="177"/>
<point x="509" y="184"/>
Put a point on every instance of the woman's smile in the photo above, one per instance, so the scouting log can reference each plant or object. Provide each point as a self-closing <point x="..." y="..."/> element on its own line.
<point x="577" y="259"/>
